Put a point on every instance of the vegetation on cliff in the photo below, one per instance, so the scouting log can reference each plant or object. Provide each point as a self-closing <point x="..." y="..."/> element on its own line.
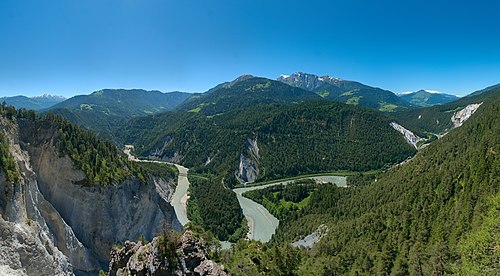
<point x="292" y="139"/>
<point x="7" y="162"/>
<point x="100" y="160"/>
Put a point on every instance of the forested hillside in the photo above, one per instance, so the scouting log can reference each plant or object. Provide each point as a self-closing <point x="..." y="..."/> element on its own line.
<point x="280" y="140"/>
<point x="245" y="92"/>
<point x="35" y="103"/>
<point x="215" y="208"/>
<point x="437" y="119"/>
<point x="106" y="110"/>
<point x="100" y="160"/>
<point x="437" y="214"/>
<point x="350" y="92"/>
<point x="424" y="98"/>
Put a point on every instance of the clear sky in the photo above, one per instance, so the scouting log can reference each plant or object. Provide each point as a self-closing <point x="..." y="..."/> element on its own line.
<point x="69" y="47"/>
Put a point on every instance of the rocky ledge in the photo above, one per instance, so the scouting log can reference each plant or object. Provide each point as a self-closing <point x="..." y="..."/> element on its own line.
<point x="167" y="254"/>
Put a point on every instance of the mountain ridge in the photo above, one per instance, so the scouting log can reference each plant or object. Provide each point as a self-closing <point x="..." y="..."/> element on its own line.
<point x="38" y="103"/>
<point x="350" y="92"/>
<point x="423" y="98"/>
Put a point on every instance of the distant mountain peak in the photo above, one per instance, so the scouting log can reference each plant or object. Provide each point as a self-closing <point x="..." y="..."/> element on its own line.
<point x="329" y="79"/>
<point x="242" y="78"/>
<point x="427" y="97"/>
<point x="307" y="81"/>
<point x="235" y="81"/>
<point x="432" y="91"/>
<point x="49" y="96"/>
<point x="306" y="77"/>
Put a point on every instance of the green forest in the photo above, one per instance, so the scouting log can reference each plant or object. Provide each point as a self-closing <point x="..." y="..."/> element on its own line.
<point x="7" y="162"/>
<point x="100" y="160"/>
<point x="215" y="208"/>
<point x="437" y="214"/>
<point x="345" y="138"/>
<point x="437" y="119"/>
<point x="284" y="201"/>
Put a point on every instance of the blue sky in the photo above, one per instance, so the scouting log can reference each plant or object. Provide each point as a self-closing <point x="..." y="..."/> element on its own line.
<point x="69" y="47"/>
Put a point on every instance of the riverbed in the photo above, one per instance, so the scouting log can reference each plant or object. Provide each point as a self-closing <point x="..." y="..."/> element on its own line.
<point x="262" y="225"/>
<point x="180" y="197"/>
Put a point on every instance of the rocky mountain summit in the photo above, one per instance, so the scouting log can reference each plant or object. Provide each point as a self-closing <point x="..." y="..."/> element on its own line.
<point x="350" y="92"/>
<point x="165" y="255"/>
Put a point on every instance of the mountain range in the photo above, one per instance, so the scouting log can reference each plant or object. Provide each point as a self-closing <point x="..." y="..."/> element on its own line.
<point x="105" y="110"/>
<point x="68" y="196"/>
<point x="350" y="92"/>
<point x="36" y="103"/>
<point x="424" y="98"/>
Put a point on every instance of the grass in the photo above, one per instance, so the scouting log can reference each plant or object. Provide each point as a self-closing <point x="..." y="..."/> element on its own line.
<point x="324" y="94"/>
<point x="385" y="107"/>
<point x="86" y="107"/>
<point x="353" y="100"/>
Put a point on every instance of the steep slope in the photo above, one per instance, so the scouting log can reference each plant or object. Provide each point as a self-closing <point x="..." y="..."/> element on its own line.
<point x="271" y="141"/>
<point x="107" y="109"/>
<point x="489" y="88"/>
<point x="424" y="98"/>
<point x="245" y="91"/>
<point x="438" y="119"/>
<point x="437" y="214"/>
<point x="349" y="92"/>
<point x="62" y="210"/>
<point x="35" y="103"/>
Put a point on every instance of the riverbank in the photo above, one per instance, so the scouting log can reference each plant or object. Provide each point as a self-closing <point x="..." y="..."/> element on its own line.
<point x="262" y="224"/>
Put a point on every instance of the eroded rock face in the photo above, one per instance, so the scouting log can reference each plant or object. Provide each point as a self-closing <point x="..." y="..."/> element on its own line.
<point x="461" y="116"/>
<point x="50" y="225"/>
<point x="190" y="258"/>
<point x="248" y="169"/>
<point x="27" y="246"/>
<point x="410" y="137"/>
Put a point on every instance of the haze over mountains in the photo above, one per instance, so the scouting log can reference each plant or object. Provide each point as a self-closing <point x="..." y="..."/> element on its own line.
<point x="36" y="103"/>
<point x="421" y="196"/>
<point x="331" y="88"/>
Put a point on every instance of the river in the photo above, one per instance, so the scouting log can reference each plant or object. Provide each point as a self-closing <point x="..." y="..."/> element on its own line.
<point x="180" y="196"/>
<point x="261" y="223"/>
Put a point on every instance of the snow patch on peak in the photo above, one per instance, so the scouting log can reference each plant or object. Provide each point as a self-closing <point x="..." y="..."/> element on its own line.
<point x="406" y="93"/>
<point x="328" y="78"/>
<point x="48" y="96"/>
<point x="284" y="76"/>
<point x="433" y="91"/>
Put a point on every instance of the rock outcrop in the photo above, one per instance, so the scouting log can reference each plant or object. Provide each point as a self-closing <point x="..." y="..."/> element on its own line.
<point x="51" y="224"/>
<point x="462" y="115"/>
<point x="248" y="169"/>
<point x="410" y="137"/>
<point x="187" y="255"/>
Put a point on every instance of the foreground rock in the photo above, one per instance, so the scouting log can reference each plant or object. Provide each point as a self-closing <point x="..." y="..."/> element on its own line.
<point x="165" y="255"/>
